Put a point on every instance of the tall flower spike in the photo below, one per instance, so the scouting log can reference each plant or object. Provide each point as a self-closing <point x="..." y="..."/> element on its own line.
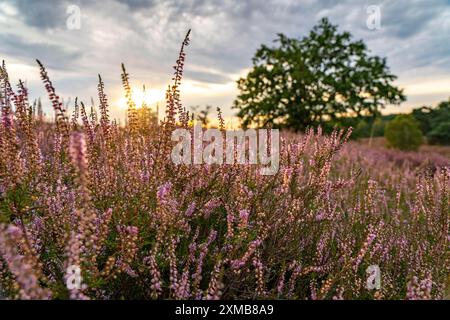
<point x="86" y="124"/>
<point x="173" y="92"/>
<point x="221" y="120"/>
<point x="104" y="112"/>
<point x="93" y="115"/>
<point x="61" y="119"/>
<point x="75" y="115"/>
<point x="21" y="102"/>
<point x="132" y="116"/>
<point x="78" y="155"/>
<point x="7" y="94"/>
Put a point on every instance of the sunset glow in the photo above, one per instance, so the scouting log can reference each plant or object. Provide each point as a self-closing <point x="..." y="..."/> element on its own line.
<point x="151" y="97"/>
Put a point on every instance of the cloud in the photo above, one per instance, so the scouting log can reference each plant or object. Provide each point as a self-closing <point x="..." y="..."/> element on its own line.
<point x="137" y="4"/>
<point x="146" y="34"/>
<point x="209" y="77"/>
<point x="405" y="19"/>
<point x="55" y="56"/>
<point x="43" y="14"/>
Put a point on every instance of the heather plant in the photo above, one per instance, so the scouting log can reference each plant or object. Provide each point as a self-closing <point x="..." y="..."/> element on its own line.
<point x="108" y="200"/>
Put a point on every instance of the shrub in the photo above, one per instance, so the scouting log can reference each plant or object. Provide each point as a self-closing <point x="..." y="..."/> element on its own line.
<point x="365" y="128"/>
<point x="440" y="134"/>
<point x="403" y="133"/>
<point x="362" y="130"/>
<point x="434" y="122"/>
<point x="378" y="127"/>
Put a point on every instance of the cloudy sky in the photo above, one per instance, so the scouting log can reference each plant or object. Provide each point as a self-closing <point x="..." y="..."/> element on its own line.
<point x="146" y="34"/>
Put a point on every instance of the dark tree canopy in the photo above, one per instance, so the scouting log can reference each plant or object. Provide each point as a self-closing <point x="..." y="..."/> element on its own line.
<point x="435" y="122"/>
<point x="324" y="76"/>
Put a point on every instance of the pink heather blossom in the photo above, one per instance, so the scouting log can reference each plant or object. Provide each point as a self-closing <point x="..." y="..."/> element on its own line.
<point x="190" y="210"/>
<point x="243" y="215"/>
<point x="163" y="191"/>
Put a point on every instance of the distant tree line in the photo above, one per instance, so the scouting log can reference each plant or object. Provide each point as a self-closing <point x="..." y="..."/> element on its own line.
<point x="432" y="122"/>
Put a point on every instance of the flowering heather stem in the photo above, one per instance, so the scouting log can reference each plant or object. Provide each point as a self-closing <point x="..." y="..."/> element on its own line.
<point x="21" y="266"/>
<point x="131" y="112"/>
<point x="104" y="113"/>
<point x="60" y="112"/>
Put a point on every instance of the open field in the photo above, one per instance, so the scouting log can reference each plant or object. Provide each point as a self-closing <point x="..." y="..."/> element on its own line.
<point x="97" y="211"/>
<point x="90" y="209"/>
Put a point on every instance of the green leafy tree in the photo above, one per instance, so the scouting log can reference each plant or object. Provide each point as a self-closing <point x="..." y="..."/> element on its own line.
<point x="424" y="116"/>
<point x="434" y="122"/>
<point x="322" y="77"/>
<point x="440" y="134"/>
<point x="403" y="133"/>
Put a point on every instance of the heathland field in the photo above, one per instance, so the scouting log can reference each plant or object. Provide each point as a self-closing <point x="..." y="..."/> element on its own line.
<point x="93" y="210"/>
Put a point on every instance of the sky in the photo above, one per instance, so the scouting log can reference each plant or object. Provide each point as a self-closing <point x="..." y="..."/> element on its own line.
<point x="414" y="35"/>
